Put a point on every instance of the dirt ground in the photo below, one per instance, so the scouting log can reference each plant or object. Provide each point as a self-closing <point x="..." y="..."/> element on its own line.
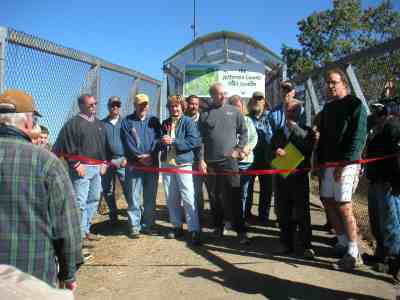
<point x="153" y="267"/>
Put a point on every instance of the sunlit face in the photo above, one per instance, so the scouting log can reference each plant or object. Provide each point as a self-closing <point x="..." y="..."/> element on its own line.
<point x="114" y="109"/>
<point x="257" y="105"/>
<point x="239" y="106"/>
<point x="142" y="109"/>
<point x="175" y="110"/>
<point x="193" y="106"/>
<point x="336" y="86"/>
<point x="44" y="139"/>
<point x="218" y="95"/>
<point x="89" y="105"/>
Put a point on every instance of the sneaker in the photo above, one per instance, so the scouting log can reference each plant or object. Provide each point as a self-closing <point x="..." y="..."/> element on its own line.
<point x="349" y="263"/>
<point x="149" y="231"/>
<point x="86" y="255"/>
<point x="282" y="250"/>
<point x="339" y="250"/>
<point x="134" y="234"/>
<point x="371" y="260"/>
<point x="93" y="237"/>
<point x="227" y="227"/>
<point x="194" y="239"/>
<point x="309" y="253"/>
<point x="243" y="239"/>
<point x="218" y="232"/>
<point x="175" y="233"/>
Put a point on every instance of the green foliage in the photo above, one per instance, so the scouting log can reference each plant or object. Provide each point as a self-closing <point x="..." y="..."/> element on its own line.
<point x="329" y="35"/>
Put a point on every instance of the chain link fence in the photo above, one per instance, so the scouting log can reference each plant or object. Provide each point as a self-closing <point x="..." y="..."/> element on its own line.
<point x="370" y="72"/>
<point x="55" y="76"/>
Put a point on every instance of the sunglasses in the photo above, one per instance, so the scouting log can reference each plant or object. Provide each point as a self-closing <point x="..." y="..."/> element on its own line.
<point x="115" y="104"/>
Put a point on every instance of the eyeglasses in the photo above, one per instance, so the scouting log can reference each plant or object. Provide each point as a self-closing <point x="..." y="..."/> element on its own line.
<point x="332" y="82"/>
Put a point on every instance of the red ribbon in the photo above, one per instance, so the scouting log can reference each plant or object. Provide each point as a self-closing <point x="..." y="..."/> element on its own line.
<point x="177" y="170"/>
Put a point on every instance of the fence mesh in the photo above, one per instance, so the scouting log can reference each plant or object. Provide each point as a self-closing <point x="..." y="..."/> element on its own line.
<point x="55" y="76"/>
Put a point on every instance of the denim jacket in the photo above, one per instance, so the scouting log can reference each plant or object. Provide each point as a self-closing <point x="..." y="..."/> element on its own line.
<point x="187" y="139"/>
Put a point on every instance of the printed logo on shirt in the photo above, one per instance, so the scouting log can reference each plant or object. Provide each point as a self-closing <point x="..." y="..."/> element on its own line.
<point x="229" y="113"/>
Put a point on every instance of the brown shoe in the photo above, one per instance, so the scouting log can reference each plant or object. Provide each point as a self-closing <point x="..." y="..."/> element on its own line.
<point x="92" y="237"/>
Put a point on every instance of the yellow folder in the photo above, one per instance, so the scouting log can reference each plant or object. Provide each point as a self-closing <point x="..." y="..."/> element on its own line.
<point x="290" y="161"/>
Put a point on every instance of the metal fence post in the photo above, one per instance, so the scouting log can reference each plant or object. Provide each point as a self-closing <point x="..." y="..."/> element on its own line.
<point x="312" y="95"/>
<point x="356" y="86"/>
<point x="3" y="36"/>
<point x="308" y="108"/>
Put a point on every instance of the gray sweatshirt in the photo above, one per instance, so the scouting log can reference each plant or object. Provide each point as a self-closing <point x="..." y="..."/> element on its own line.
<point x="222" y="129"/>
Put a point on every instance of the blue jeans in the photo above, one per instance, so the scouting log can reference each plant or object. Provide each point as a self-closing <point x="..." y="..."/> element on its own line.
<point x="108" y="183"/>
<point x="376" y="194"/>
<point x="139" y="183"/>
<point x="244" y="187"/>
<point x="88" y="192"/>
<point x="391" y="217"/>
<point x="179" y="188"/>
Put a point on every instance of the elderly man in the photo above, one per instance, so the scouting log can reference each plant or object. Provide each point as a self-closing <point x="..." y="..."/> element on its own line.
<point x="140" y="135"/>
<point x="84" y="136"/>
<point x="39" y="224"/>
<point x="193" y="111"/>
<point x="112" y="124"/>
<point x="343" y="132"/>
<point x="224" y="135"/>
<point x="258" y="112"/>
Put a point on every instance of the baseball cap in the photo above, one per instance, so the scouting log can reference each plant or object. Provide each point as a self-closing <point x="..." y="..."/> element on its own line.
<point x="114" y="99"/>
<point x="258" y="95"/>
<point x="141" y="98"/>
<point x="17" y="101"/>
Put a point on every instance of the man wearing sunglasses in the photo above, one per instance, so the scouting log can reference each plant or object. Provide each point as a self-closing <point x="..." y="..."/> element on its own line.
<point x="84" y="136"/>
<point x="112" y="125"/>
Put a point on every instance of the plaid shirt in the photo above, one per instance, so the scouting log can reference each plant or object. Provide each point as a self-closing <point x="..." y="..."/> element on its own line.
<point x="39" y="219"/>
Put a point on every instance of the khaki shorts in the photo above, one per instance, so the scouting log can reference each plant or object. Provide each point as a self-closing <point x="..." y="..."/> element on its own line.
<point x="341" y="191"/>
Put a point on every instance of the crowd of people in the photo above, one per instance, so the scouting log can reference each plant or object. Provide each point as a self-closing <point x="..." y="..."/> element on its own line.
<point x="47" y="207"/>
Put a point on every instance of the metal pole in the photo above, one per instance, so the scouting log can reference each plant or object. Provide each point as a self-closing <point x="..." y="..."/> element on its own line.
<point x="194" y="29"/>
<point x="3" y="36"/>
<point x="356" y="86"/>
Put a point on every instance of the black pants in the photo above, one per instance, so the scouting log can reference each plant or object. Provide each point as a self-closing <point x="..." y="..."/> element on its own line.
<point x="224" y="195"/>
<point x="293" y="205"/>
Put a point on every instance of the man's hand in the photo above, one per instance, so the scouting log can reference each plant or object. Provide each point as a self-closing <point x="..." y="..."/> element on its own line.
<point x="167" y="140"/>
<point x="81" y="170"/>
<point x="203" y="167"/>
<point x="146" y="159"/>
<point x="246" y="150"/>
<point x="280" y="152"/>
<point x="72" y="286"/>
<point x="124" y="163"/>
<point x="316" y="133"/>
<point x="291" y="123"/>
<point x="103" y="169"/>
<point x="337" y="174"/>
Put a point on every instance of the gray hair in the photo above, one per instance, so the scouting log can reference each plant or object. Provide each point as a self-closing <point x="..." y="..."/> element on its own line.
<point x="13" y="119"/>
<point x="214" y="86"/>
<point x="81" y="98"/>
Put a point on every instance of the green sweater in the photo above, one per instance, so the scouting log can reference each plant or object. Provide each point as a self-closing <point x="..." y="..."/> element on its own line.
<point x="343" y="130"/>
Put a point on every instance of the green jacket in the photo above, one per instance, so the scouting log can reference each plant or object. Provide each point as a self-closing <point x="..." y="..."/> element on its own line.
<point x="343" y="130"/>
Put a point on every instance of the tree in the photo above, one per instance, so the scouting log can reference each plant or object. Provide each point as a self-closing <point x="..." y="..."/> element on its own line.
<point x="329" y="35"/>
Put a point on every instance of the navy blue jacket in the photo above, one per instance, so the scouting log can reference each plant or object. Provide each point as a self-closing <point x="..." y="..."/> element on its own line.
<point x="187" y="139"/>
<point x="113" y="133"/>
<point x="140" y="137"/>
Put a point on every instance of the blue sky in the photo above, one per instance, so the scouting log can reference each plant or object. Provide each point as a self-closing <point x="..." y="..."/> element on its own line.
<point x="141" y="34"/>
